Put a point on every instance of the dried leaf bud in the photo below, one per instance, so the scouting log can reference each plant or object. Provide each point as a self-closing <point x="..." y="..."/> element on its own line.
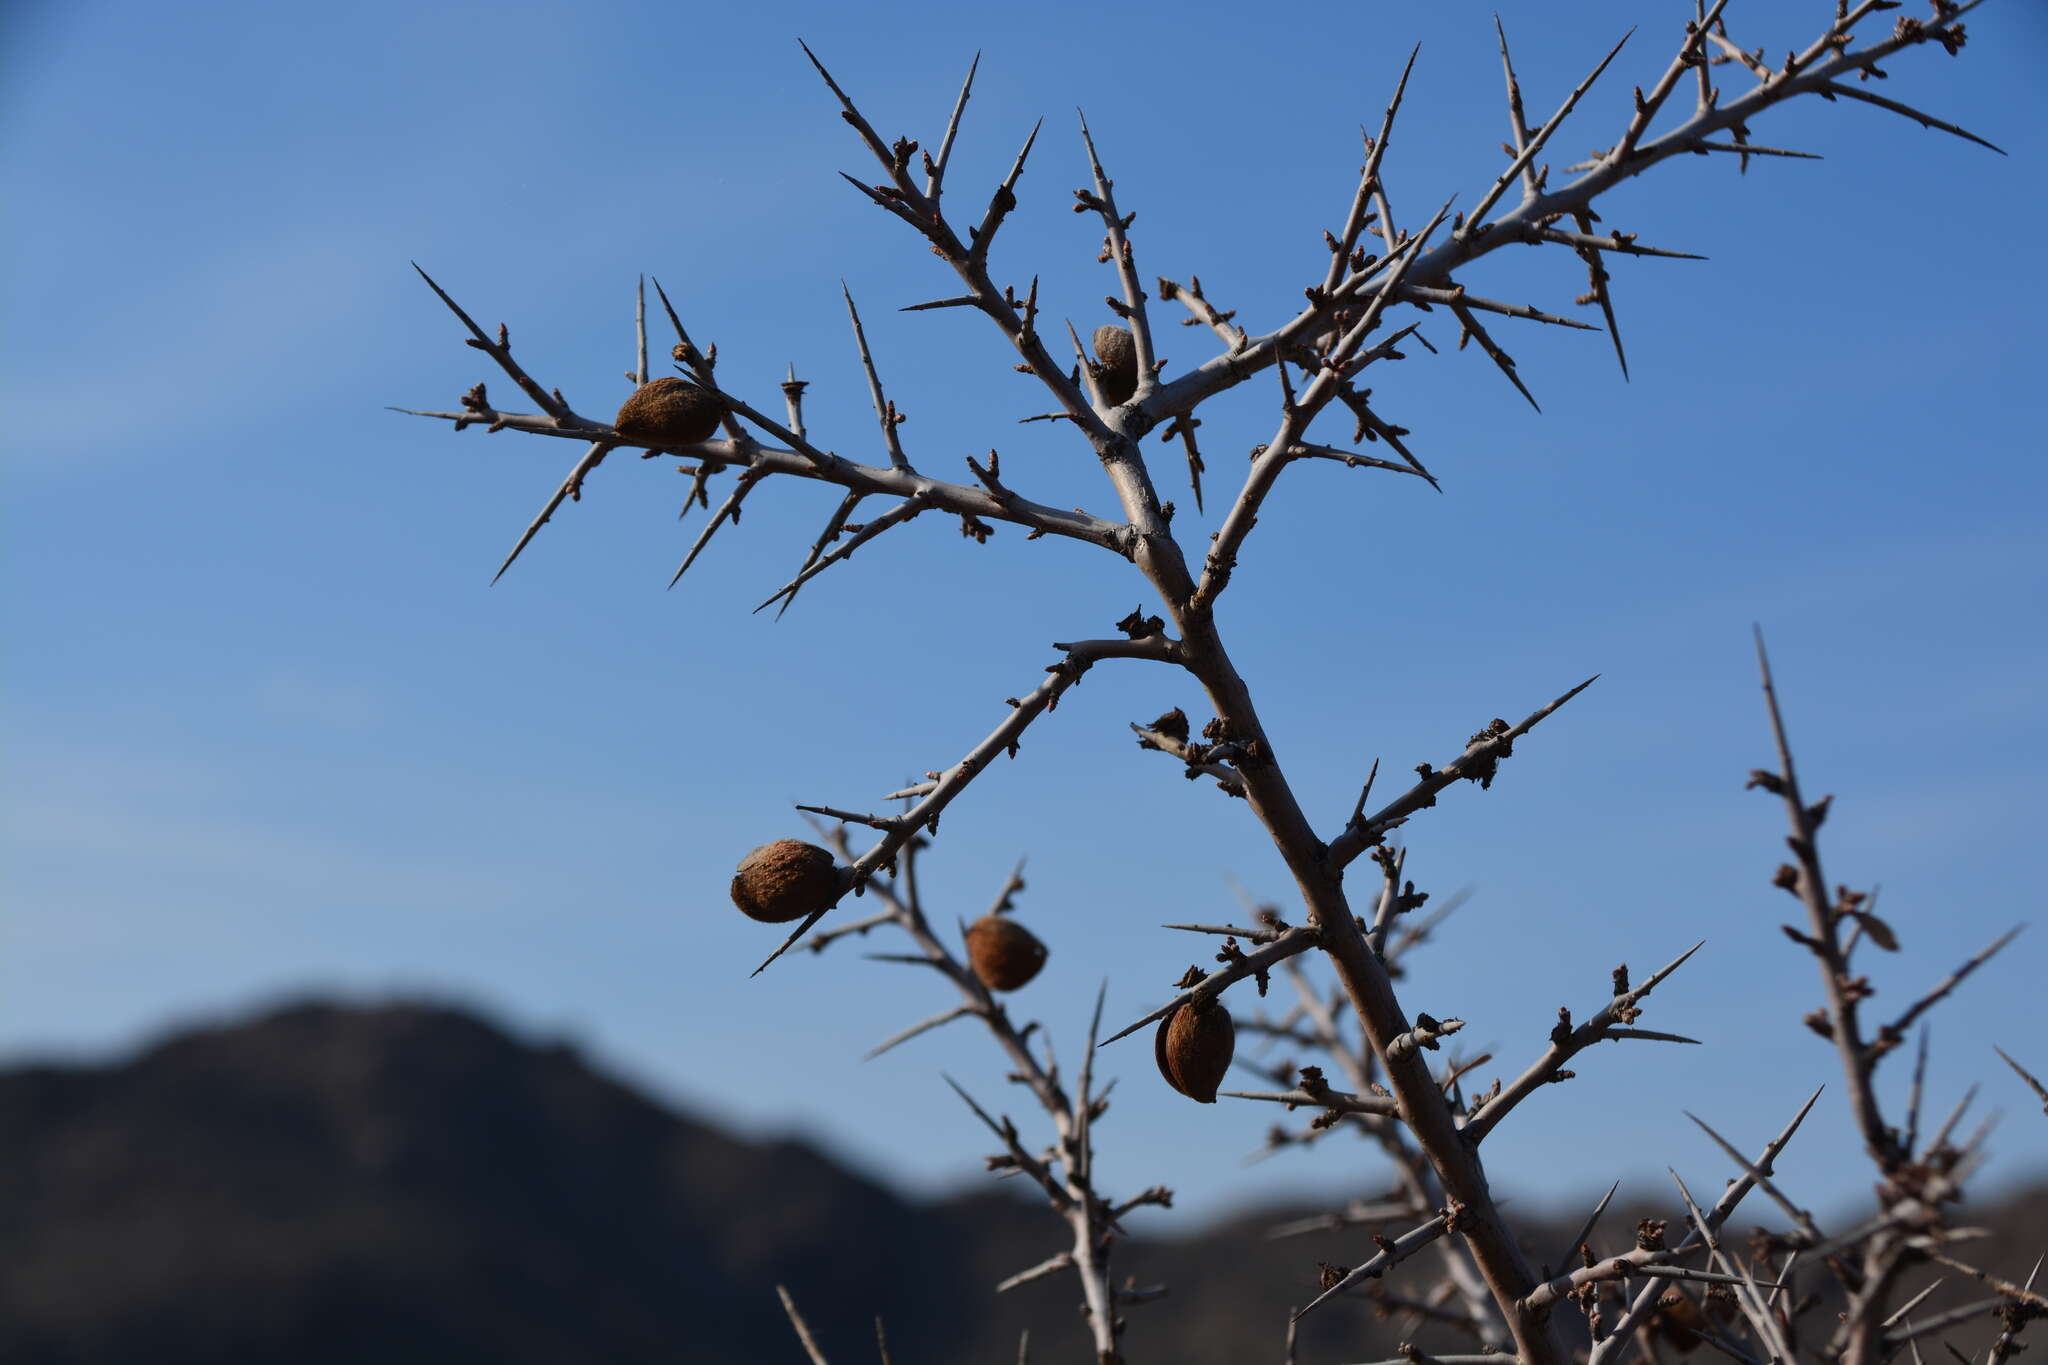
<point x="669" y="412"/>
<point x="785" y="880"/>
<point x="1116" y="354"/>
<point x="1004" y="954"/>
<point x="1194" y="1046"/>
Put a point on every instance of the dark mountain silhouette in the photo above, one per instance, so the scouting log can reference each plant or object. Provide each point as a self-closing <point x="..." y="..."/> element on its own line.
<point x="409" y="1183"/>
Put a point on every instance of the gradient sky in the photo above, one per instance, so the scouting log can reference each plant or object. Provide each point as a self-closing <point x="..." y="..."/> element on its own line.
<point x="270" y="730"/>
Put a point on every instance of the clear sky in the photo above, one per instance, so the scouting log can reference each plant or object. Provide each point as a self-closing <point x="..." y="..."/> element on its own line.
<point x="270" y="729"/>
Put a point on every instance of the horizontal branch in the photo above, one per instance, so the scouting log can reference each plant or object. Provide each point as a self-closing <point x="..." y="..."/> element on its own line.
<point x="1296" y="940"/>
<point x="1336" y="1101"/>
<point x="1631" y="156"/>
<point x="1201" y="760"/>
<point x="818" y="466"/>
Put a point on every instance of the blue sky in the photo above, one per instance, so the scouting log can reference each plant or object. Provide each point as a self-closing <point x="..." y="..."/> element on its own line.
<point x="271" y="730"/>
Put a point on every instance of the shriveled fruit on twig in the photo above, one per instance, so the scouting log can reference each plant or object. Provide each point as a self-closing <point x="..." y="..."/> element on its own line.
<point x="1194" y="1047"/>
<point x="1678" y="1320"/>
<point x="1004" y="954"/>
<point x="669" y="412"/>
<point x="1116" y="373"/>
<point x="785" y="880"/>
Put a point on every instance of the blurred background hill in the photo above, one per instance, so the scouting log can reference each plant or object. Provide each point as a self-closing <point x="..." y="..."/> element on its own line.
<point x="410" y="1182"/>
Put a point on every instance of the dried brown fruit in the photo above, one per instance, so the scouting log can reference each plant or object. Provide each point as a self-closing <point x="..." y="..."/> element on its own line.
<point x="785" y="880"/>
<point x="1194" y="1047"/>
<point x="1003" y="953"/>
<point x="669" y="412"/>
<point x="1116" y="371"/>
<point x="1678" y="1320"/>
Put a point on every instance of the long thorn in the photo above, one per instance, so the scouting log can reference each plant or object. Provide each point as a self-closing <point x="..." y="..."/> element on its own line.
<point x="922" y="1026"/>
<point x="1593" y="1219"/>
<point x="2040" y="1091"/>
<point x="729" y="508"/>
<point x="803" y="1329"/>
<point x="591" y="458"/>
<point x="884" y="414"/>
<point x="833" y="525"/>
<point x="1542" y="136"/>
<point x="1924" y="120"/>
<point x="935" y="181"/>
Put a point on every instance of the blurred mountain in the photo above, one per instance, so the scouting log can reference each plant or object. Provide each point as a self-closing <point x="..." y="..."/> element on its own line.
<point x="409" y="1183"/>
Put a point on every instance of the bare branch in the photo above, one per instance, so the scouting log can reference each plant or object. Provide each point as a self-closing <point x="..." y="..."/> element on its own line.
<point x="1810" y="884"/>
<point x="1003" y="200"/>
<point x="1023" y="1160"/>
<point x="1368" y="185"/>
<point x="2005" y="1287"/>
<point x="1689" y="54"/>
<point x="1767" y="1328"/>
<point x="1536" y="143"/>
<point x="1891" y="1035"/>
<point x="1335" y="1101"/>
<point x="1621" y="1333"/>
<point x="1390" y="1253"/>
<point x="1482" y="757"/>
<point x="1567" y="1042"/>
<point x="500" y="350"/>
<point x="1103" y="201"/>
<point x="924" y="815"/>
<point x="1800" y="1217"/>
<point x="1308" y="450"/>
<point x="1294" y="941"/>
<point x="902" y="512"/>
